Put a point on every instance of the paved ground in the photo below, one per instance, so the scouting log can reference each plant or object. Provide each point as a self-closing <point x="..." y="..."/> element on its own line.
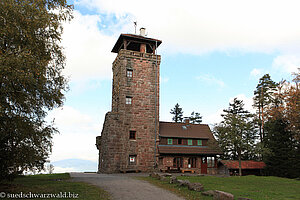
<point x="125" y="187"/>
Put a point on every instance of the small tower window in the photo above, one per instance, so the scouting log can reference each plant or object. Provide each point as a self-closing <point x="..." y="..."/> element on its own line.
<point x="128" y="100"/>
<point x="132" y="135"/>
<point x="129" y="73"/>
<point x="132" y="159"/>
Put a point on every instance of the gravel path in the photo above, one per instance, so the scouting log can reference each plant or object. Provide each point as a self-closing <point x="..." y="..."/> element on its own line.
<point x="123" y="186"/>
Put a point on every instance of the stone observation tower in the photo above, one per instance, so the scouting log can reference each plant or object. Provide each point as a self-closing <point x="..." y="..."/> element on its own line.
<point x="129" y="137"/>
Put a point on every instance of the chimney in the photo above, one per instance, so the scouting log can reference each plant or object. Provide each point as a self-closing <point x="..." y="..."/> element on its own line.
<point x="186" y="121"/>
<point x="143" y="46"/>
<point x="143" y="32"/>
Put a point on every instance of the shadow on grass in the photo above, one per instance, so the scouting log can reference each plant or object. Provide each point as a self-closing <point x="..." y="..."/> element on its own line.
<point x="51" y="185"/>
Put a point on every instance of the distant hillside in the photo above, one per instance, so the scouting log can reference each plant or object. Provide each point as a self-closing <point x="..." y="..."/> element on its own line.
<point x="74" y="165"/>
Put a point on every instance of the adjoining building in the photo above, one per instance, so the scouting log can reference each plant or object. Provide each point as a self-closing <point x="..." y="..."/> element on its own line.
<point x="249" y="167"/>
<point x="132" y="138"/>
<point x="187" y="147"/>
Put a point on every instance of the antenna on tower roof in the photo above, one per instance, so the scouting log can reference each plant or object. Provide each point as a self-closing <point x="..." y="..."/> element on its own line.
<point x="135" y="24"/>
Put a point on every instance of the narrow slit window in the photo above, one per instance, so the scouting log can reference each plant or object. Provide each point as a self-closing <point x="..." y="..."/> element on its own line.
<point x="128" y="100"/>
<point x="132" y="135"/>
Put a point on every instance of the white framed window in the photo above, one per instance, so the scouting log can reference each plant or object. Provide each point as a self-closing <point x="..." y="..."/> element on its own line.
<point x="211" y="162"/>
<point x="128" y="100"/>
<point x="132" y="159"/>
<point x="129" y="73"/>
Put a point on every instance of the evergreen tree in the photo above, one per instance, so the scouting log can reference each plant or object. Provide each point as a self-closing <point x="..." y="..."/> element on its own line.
<point x="263" y="97"/>
<point x="283" y="155"/>
<point x="195" y="118"/>
<point x="178" y="113"/>
<point x="236" y="133"/>
<point x="31" y="83"/>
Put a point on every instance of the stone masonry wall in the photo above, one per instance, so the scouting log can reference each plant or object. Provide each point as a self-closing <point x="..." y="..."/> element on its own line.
<point x="114" y="145"/>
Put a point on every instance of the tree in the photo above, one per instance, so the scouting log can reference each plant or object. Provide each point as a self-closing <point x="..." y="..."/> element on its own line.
<point x="50" y="168"/>
<point x="195" y="118"/>
<point x="292" y="105"/>
<point x="263" y="97"/>
<point x="236" y="133"/>
<point x="282" y="143"/>
<point x="178" y="113"/>
<point x="283" y="155"/>
<point x="31" y="80"/>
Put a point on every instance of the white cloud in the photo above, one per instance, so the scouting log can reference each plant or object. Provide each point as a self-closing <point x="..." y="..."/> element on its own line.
<point x="79" y="146"/>
<point x="66" y="117"/>
<point x="256" y="72"/>
<point x="88" y="50"/>
<point x="197" y="26"/>
<point x="77" y="136"/>
<point x="211" y="80"/>
<point x="287" y="63"/>
<point x="248" y="101"/>
<point x="191" y="27"/>
<point x="213" y="118"/>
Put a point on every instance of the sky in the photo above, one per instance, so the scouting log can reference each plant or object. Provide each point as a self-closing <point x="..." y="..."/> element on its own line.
<point x="211" y="51"/>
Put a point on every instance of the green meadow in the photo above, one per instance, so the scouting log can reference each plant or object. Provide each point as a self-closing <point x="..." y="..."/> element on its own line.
<point x="253" y="187"/>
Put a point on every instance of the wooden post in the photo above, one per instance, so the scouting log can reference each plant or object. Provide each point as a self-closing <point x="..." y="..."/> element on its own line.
<point x="125" y="44"/>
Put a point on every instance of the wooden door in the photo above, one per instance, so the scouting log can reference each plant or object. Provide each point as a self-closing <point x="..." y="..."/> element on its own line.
<point x="203" y="165"/>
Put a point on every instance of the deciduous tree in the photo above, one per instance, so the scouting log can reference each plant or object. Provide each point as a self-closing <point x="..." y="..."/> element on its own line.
<point x="31" y="80"/>
<point x="282" y="143"/>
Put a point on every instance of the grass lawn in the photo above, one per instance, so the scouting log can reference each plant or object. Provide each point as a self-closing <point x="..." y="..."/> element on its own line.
<point x="253" y="187"/>
<point x="58" y="184"/>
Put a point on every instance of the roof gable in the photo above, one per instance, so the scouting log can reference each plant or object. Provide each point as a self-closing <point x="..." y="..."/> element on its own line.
<point x="183" y="130"/>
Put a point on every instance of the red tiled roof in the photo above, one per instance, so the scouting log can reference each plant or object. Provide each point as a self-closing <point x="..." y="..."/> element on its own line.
<point x="171" y="129"/>
<point x="168" y="149"/>
<point x="246" y="164"/>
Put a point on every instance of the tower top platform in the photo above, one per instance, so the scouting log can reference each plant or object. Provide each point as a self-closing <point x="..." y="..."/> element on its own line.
<point x="133" y="42"/>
